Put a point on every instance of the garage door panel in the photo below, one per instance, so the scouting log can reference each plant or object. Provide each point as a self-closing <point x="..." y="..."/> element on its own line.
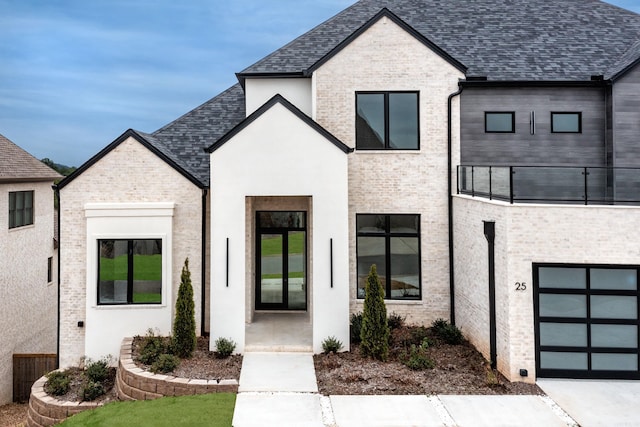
<point x="614" y="362"/>
<point x="562" y="305"/>
<point x="587" y="321"/>
<point x="563" y="334"/>
<point x="613" y="336"/>
<point x="614" y="307"/>
<point x="618" y="279"/>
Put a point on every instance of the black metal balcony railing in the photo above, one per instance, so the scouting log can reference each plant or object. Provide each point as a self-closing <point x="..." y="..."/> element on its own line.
<point x="551" y="184"/>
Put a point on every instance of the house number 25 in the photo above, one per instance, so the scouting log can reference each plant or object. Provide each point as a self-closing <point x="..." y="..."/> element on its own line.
<point x="521" y="286"/>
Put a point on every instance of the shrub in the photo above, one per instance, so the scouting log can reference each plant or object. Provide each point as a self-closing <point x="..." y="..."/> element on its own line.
<point x="356" y="327"/>
<point x="447" y="332"/>
<point x="418" y="335"/>
<point x="92" y="390"/>
<point x="224" y="348"/>
<point x="165" y="363"/>
<point x="97" y="371"/>
<point x="151" y="348"/>
<point x="58" y="383"/>
<point x="417" y="359"/>
<point x="396" y="321"/>
<point x="375" y="329"/>
<point x="184" y="325"/>
<point x="331" y="345"/>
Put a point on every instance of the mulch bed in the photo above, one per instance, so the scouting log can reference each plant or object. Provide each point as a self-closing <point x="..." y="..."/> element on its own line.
<point x="78" y="379"/>
<point x="459" y="369"/>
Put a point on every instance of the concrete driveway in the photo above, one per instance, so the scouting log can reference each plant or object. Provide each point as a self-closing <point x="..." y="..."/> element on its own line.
<point x="593" y="403"/>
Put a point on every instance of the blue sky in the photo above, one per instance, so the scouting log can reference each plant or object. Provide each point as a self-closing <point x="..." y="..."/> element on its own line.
<point x="75" y="74"/>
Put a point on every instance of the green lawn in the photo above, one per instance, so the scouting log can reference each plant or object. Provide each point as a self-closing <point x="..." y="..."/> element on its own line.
<point x="145" y="267"/>
<point x="273" y="245"/>
<point x="215" y="410"/>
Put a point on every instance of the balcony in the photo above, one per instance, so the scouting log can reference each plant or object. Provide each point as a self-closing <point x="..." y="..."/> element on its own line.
<point x="551" y="184"/>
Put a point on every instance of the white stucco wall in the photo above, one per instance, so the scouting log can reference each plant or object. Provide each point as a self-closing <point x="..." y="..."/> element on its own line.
<point x="296" y="90"/>
<point x="279" y="155"/>
<point x="126" y="221"/>
<point x="387" y="58"/>
<point x="128" y="174"/>
<point x="527" y="234"/>
<point x="28" y="302"/>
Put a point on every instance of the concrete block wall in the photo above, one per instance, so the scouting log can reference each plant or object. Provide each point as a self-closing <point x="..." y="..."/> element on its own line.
<point x="28" y="301"/>
<point x="527" y="234"/>
<point x="129" y="173"/>
<point x="387" y="58"/>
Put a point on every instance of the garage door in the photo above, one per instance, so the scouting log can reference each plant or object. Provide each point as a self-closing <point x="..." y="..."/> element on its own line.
<point x="586" y="319"/>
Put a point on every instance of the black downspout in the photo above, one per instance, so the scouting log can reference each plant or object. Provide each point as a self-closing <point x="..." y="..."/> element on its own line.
<point x="452" y="299"/>
<point x="490" y="234"/>
<point x="203" y="263"/>
<point x="56" y="191"/>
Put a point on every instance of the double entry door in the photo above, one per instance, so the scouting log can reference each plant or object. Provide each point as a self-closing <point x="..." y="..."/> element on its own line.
<point x="281" y="260"/>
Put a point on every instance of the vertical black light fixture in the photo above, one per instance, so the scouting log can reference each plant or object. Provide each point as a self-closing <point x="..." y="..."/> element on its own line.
<point x="490" y="235"/>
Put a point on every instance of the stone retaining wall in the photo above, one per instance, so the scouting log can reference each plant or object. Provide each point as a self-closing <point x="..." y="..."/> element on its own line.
<point x="132" y="383"/>
<point x="45" y="410"/>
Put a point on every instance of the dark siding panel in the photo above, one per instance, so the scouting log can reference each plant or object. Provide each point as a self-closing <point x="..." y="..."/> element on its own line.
<point x="542" y="148"/>
<point x="626" y="119"/>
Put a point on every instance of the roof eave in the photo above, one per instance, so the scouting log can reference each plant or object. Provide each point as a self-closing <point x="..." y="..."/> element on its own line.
<point x="127" y="134"/>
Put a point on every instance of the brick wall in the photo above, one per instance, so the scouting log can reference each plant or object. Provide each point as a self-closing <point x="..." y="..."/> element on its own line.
<point x="383" y="58"/>
<point x="128" y="173"/>
<point x="527" y="234"/>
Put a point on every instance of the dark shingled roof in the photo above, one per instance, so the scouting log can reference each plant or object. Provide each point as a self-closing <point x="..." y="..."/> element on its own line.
<point x="16" y="165"/>
<point x="499" y="39"/>
<point x="185" y="139"/>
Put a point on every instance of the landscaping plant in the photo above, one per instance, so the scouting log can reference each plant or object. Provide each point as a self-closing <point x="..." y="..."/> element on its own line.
<point x="184" y="325"/>
<point x="447" y="332"/>
<point x="58" y="383"/>
<point x="224" y="348"/>
<point x="356" y="327"/>
<point x="331" y="345"/>
<point x="165" y="364"/>
<point x="375" y="328"/>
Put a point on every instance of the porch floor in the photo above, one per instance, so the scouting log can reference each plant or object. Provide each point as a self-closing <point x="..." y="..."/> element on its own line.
<point x="289" y="332"/>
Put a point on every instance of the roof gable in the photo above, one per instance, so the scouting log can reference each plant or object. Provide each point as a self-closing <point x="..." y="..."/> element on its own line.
<point x="386" y="13"/>
<point x="146" y="140"/>
<point x="18" y="165"/>
<point x="279" y="99"/>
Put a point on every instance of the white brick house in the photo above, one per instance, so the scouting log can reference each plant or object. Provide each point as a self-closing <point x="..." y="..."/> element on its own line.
<point x="28" y="260"/>
<point x="340" y="150"/>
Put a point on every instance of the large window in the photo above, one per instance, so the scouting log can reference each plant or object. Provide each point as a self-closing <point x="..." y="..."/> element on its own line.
<point x="387" y="121"/>
<point x="20" y="208"/>
<point x="566" y="122"/>
<point x="392" y="243"/>
<point x="499" y="122"/>
<point x="130" y="271"/>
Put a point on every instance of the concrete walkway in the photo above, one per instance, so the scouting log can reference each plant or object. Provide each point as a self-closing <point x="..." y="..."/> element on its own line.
<point x="594" y="403"/>
<point x="279" y="389"/>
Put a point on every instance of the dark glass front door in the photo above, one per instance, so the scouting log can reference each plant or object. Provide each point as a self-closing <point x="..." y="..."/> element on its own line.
<point x="281" y="274"/>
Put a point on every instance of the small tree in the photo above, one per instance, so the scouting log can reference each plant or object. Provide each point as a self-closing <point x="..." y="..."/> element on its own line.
<point x="374" y="333"/>
<point x="184" y="325"/>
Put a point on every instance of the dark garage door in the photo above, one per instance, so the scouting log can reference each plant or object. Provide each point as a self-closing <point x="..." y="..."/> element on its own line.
<point x="586" y="319"/>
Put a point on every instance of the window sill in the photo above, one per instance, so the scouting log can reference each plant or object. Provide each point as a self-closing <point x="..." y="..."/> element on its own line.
<point x="128" y="306"/>
<point x="22" y="227"/>
<point x="395" y="302"/>
<point x="387" y="152"/>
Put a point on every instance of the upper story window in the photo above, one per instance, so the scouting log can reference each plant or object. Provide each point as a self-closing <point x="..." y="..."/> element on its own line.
<point x="130" y="271"/>
<point x="387" y="121"/>
<point x="569" y="122"/>
<point x="392" y="243"/>
<point x="20" y="208"/>
<point x="499" y="122"/>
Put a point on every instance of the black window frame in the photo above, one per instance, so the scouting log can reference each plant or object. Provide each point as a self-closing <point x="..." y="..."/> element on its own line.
<point x="387" y="234"/>
<point x="130" y="278"/>
<point x="513" y="122"/>
<point x="13" y="212"/>
<point x="566" y="113"/>
<point x="386" y="94"/>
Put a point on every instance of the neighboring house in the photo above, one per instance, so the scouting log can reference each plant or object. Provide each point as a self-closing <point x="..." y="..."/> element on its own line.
<point x="28" y="260"/>
<point x="343" y="149"/>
